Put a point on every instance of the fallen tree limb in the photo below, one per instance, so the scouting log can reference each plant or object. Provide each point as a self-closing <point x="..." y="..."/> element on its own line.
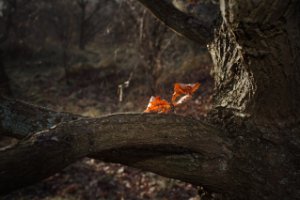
<point x="169" y="145"/>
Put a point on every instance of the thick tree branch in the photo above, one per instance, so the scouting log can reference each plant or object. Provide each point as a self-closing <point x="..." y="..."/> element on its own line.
<point x="18" y="119"/>
<point x="198" y="30"/>
<point x="169" y="145"/>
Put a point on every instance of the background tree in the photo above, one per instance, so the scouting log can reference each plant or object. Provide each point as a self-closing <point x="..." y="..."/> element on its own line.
<point x="247" y="148"/>
<point x="88" y="20"/>
<point x="10" y="13"/>
<point x="61" y="19"/>
<point x="151" y="42"/>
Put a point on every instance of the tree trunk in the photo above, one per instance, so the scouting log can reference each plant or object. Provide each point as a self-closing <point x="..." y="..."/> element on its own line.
<point x="82" y="24"/>
<point x="256" y="62"/>
<point x="249" y="147"/>
<point x="257" y="99"/>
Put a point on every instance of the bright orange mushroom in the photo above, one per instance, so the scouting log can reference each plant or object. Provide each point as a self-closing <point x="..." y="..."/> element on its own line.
<point x="184" y="89"/>
<point x="158" y="105"/>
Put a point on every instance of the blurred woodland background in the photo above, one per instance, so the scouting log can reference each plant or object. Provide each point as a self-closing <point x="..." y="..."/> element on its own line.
<point x="96" y="57"/>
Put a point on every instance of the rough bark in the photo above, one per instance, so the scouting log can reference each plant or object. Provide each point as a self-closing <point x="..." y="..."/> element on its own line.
<point x="256" y="62"/>
<point x="249" y="149"/>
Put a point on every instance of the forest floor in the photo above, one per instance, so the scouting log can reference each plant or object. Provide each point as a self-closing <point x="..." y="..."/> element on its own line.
<point x="93" y="92"/>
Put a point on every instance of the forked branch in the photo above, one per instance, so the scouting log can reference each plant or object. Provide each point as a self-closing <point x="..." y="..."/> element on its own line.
<point x="198" y="30"/>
